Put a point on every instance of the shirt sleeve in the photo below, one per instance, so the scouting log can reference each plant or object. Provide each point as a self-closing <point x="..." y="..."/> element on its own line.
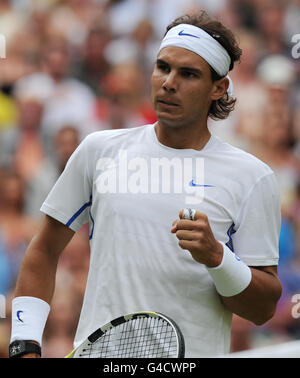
<point x="255" y="237"/>
<point x="70" y="198"/>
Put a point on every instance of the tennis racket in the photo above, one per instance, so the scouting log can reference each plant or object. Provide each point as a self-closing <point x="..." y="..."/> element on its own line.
<point x="138" y="335"/>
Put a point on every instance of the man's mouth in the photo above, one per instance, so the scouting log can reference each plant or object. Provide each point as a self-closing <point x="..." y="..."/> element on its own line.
<point x="167" y="103"/>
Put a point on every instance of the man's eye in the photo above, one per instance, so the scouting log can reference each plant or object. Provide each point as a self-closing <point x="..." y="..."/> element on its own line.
<point x="188" y="74"/>
<point x="162" y="67"/>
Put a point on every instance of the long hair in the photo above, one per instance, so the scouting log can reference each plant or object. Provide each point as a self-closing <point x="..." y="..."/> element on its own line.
<point x="221" y="108"/>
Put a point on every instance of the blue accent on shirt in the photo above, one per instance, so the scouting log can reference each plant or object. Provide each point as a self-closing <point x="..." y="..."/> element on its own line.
<point x="93" y="225"/>
<point x="230" y="232"/>
<point x="78" y="212"/>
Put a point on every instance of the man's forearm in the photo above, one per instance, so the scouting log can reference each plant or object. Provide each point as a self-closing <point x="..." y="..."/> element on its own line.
<point x="34" y="291"/>
<point x="37" y="274"/>
<point x="36" y="283"/>
<point x="257" y="303"/>
<point x="38" y="269"/>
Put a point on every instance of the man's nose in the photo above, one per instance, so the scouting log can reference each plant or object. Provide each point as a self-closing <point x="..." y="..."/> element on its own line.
<point x="170" y="84"/>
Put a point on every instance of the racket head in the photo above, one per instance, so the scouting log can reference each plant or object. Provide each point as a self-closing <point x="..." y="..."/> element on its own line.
<point x="144" y="334"/>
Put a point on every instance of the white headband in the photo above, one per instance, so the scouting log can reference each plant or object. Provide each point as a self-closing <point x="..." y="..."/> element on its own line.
<point x="192" y="38"/>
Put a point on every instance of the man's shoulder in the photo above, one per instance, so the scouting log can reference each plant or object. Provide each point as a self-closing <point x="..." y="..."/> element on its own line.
<point x="240" y="158"/>
<point x="110" y="137"/>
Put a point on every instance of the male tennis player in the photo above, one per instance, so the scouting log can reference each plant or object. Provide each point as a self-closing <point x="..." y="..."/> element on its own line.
<point x="220" y="261"/>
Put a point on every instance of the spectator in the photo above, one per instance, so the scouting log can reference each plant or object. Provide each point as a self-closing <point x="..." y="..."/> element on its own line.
<point x="125" y="104"/>
<point x="275" y="148"/>
<point x="72" y="102"/>
<point x="277" y="74"/>
<point x="270" y="15"/>
<point x="16" y="229"/>
<point x="65" y="142"/>
<point x="5" y="272"/>
<point x="8" y="111"/>
<point x="93" y="65"/>
<point x="72" y="20"/>
<point x="11" y="20"/>
<point x="30" y="95"/>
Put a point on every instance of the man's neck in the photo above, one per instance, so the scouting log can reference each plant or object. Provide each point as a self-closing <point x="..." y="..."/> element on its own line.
<point x="182" y="137"/>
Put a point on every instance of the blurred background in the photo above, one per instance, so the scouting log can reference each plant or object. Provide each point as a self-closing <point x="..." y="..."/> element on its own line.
<point x="77" y="66"/>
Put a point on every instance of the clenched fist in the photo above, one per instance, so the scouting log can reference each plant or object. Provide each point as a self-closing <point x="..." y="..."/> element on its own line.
<point x="197" y="237"/>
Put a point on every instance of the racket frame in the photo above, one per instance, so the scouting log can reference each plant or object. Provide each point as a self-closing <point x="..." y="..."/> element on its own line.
<point x="92" y="338"/>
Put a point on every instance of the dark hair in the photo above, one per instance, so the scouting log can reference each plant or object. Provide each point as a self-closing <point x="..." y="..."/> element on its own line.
<point x="221" y="108"/>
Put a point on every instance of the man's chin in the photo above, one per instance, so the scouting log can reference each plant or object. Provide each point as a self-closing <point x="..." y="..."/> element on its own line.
<point x="170" y="121"/>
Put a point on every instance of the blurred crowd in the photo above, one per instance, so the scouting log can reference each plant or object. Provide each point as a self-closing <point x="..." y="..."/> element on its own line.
<point x="77" y="66"/>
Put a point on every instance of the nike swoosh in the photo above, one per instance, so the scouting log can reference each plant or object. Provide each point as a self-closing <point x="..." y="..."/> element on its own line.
<point x="187" y="34"/>
<point x="199" y="185"/>
<point x="18" y="316"/>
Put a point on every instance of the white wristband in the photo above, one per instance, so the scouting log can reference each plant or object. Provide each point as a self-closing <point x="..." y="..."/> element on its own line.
<point x="232" y="276"/>
<point x="29" y="316"/>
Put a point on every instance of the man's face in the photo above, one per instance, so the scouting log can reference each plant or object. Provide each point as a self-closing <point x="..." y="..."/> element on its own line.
<point x="182" y="88"/>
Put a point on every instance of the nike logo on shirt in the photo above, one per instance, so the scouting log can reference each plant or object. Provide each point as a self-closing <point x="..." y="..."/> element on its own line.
<point x="192" y="183"/>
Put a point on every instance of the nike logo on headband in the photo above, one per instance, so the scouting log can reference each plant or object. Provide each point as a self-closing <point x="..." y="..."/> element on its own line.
<point x="187" y="34"/>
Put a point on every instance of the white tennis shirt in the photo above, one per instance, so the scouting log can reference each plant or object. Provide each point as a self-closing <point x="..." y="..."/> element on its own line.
<point x="130" y="188"/>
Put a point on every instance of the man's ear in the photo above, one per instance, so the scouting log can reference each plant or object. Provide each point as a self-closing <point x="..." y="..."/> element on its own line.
<point x="219" y="88"/>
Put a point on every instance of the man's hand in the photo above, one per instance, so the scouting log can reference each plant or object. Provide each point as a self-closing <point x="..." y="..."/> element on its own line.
<point x="197" y="237"/>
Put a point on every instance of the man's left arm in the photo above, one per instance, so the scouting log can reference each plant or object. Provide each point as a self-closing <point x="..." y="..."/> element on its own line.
<point x="250" y="292"/>
<point x="244" y="275"/>
<point x="256" y="242"/>
<point x="258" y="301"/>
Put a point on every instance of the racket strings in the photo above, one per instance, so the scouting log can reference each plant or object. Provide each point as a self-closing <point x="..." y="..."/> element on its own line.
<point x="143" y="337"/>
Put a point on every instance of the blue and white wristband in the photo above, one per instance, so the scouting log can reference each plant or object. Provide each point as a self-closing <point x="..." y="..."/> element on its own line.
<point x="29" y="316"/>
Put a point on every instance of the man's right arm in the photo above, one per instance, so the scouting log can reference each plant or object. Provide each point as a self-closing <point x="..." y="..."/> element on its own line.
<point x="38" y="269"/>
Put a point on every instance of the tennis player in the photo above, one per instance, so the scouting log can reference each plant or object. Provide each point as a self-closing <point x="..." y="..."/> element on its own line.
<point x="145" y="254"/>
